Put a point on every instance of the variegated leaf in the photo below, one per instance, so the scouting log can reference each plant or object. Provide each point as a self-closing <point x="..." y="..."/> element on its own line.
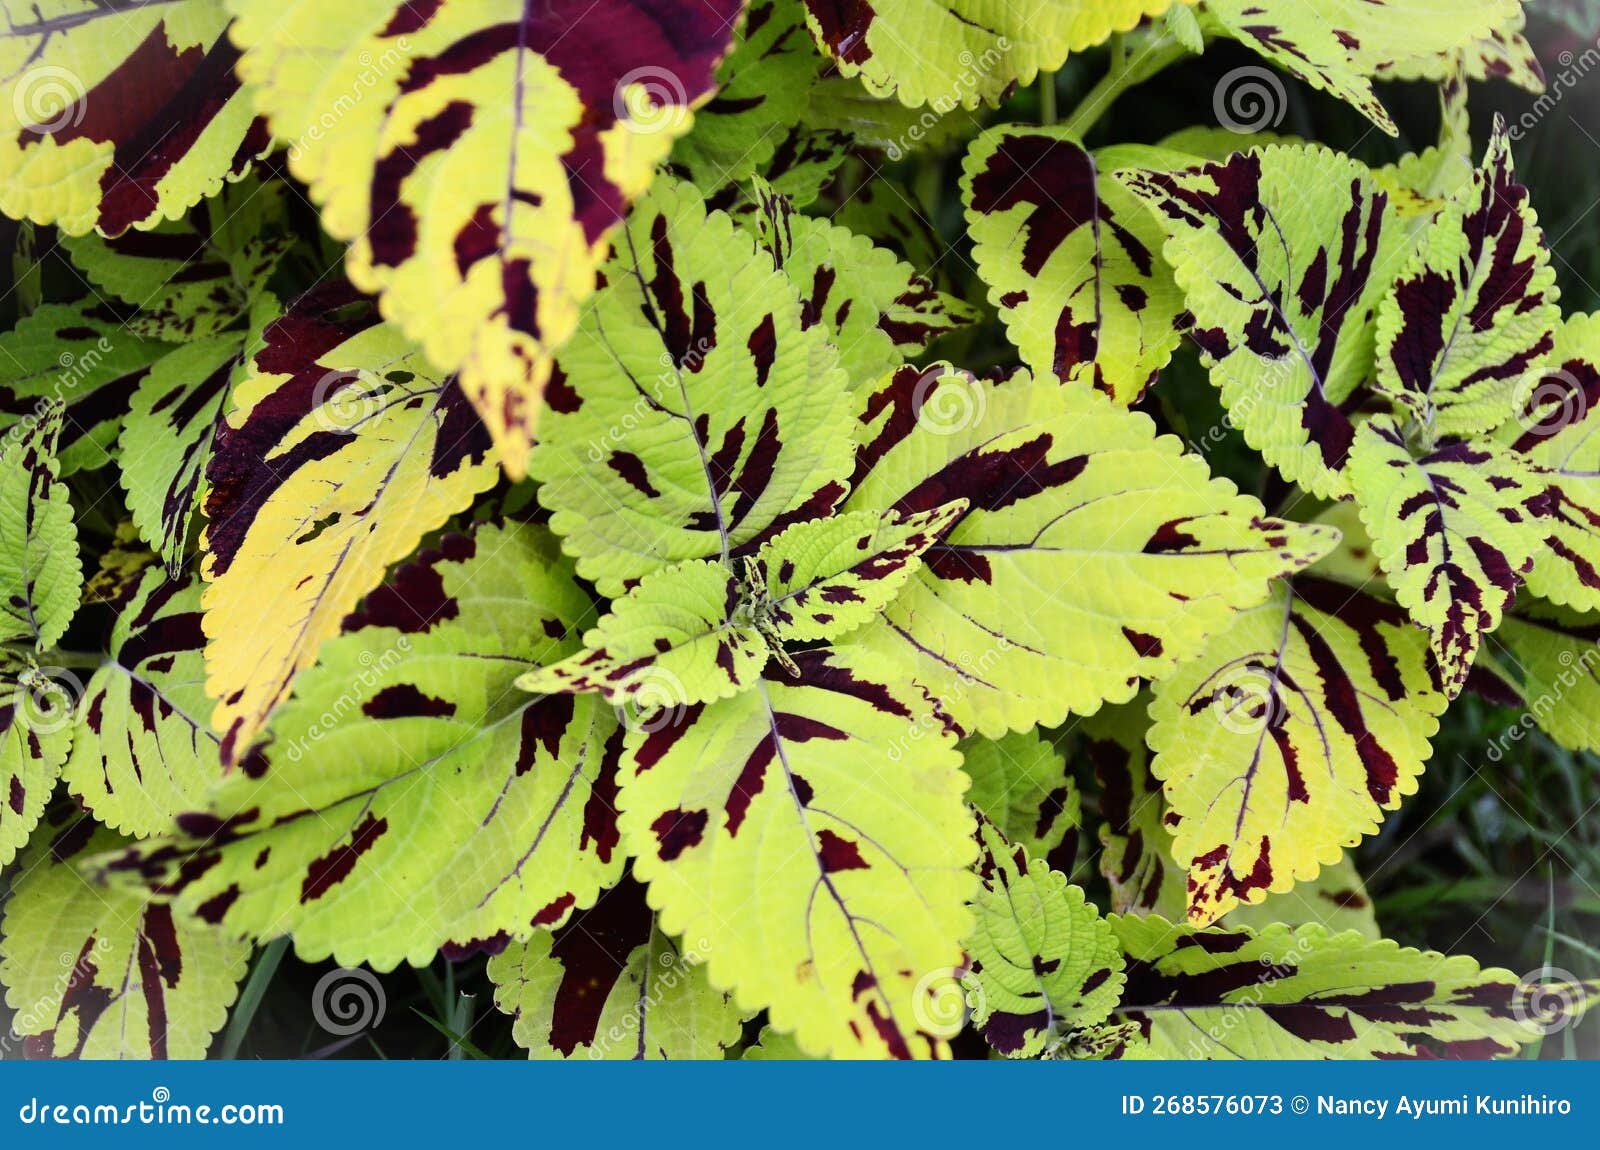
<point x="876" y="310"/>
<point x="1555" y="431"/>
<point x="119" y="115"/>
<point x="35" y="738"/>
<point x="1283" y="255"/>
<point x="1308" y="993"/>
<point x="678" y="638"/>
<point x="1502" y="54"/>
<point x="762" y="91"/>
<point x="168" y="435"/>
<point x="1043" y="961"/>
<point x="829" y="576"/>
<point x="81" y="356"/>
<point x="1474" y="313"/>
<point x="1287" y="738"/>
<point x="191" y="278"/>
<point x="542" y="121"/>
<point x="407" y="751"/>
<point x="1550" y="657"/>
<point x="1338" y="46"/>
<point x="818" y="846"/>
<point x="1021" y="787"/>
<point x="692" y="415"/>
<point x="610" y="985"/>
<point x="1072" y="259"/>
<point x="1093" y="553"/>
<point x="964" y="52"/>
<point x="343" y="448"/>
<point x="103" y="974"/>
<point x="142" y="750"/>
<point x="1136" y="842"/>
<point x="39" y="572"/>
<point x="1455" y="532"/>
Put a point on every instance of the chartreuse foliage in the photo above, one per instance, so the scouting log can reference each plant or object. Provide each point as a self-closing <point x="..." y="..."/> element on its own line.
<point x="104" y="974"/>
<point x="541" y="124"/>
<point x="615" y="573"/>
<point x="120" y="116"/>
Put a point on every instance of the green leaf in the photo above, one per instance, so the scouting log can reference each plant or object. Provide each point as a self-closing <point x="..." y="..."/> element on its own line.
<point x="610" y="985"/>
<point x="1044" y="963"/>
<point x="1072" y="259"/>
<point x="39" y="573"/>
<point x="1136" y="843"/>
<point x="762" y="91"/>
<point x="1338" y="46"/>
<point x="772" y="1046"/>
<point x="672" y="641"/>
<point x="191" y="278"/>
<point x="1474" y="313"/>
<point x="100" y="974"/>
<point x="1454" y="531"/>
<point x="876" y="310"/>
<point x="1421" y="184"/>
<point x="1287" y="738"/>
<point x="142" y="750"/>
<point x="1093" y="553"/>
<point x="81" y="356"/>
<point x="965" y="52"/>
<point x="840" y="837"/>
<point x="407" y="751"/>
<point x="693" y="414"/>
<point x="343" y="448"/>
<point x="119" y="115"/>
<point x="1502" y="54"/>
<point x="1551" y="659"/>
<point x="1554" y="432"/>
<point x="1310" y="993"/>
<point x="490" y="157"/>
<point x="168" y="436"/>
<point x="1021" y="787"/>
<point x="826" y="577"/>
<point x="1283" y="254"/>
<point x="35" y="738"/>
<point x="844" y="104"/>
<point x="895" y="218"/>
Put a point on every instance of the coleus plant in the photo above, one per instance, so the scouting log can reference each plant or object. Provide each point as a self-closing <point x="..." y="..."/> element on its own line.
<point x="607" y="573"/>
